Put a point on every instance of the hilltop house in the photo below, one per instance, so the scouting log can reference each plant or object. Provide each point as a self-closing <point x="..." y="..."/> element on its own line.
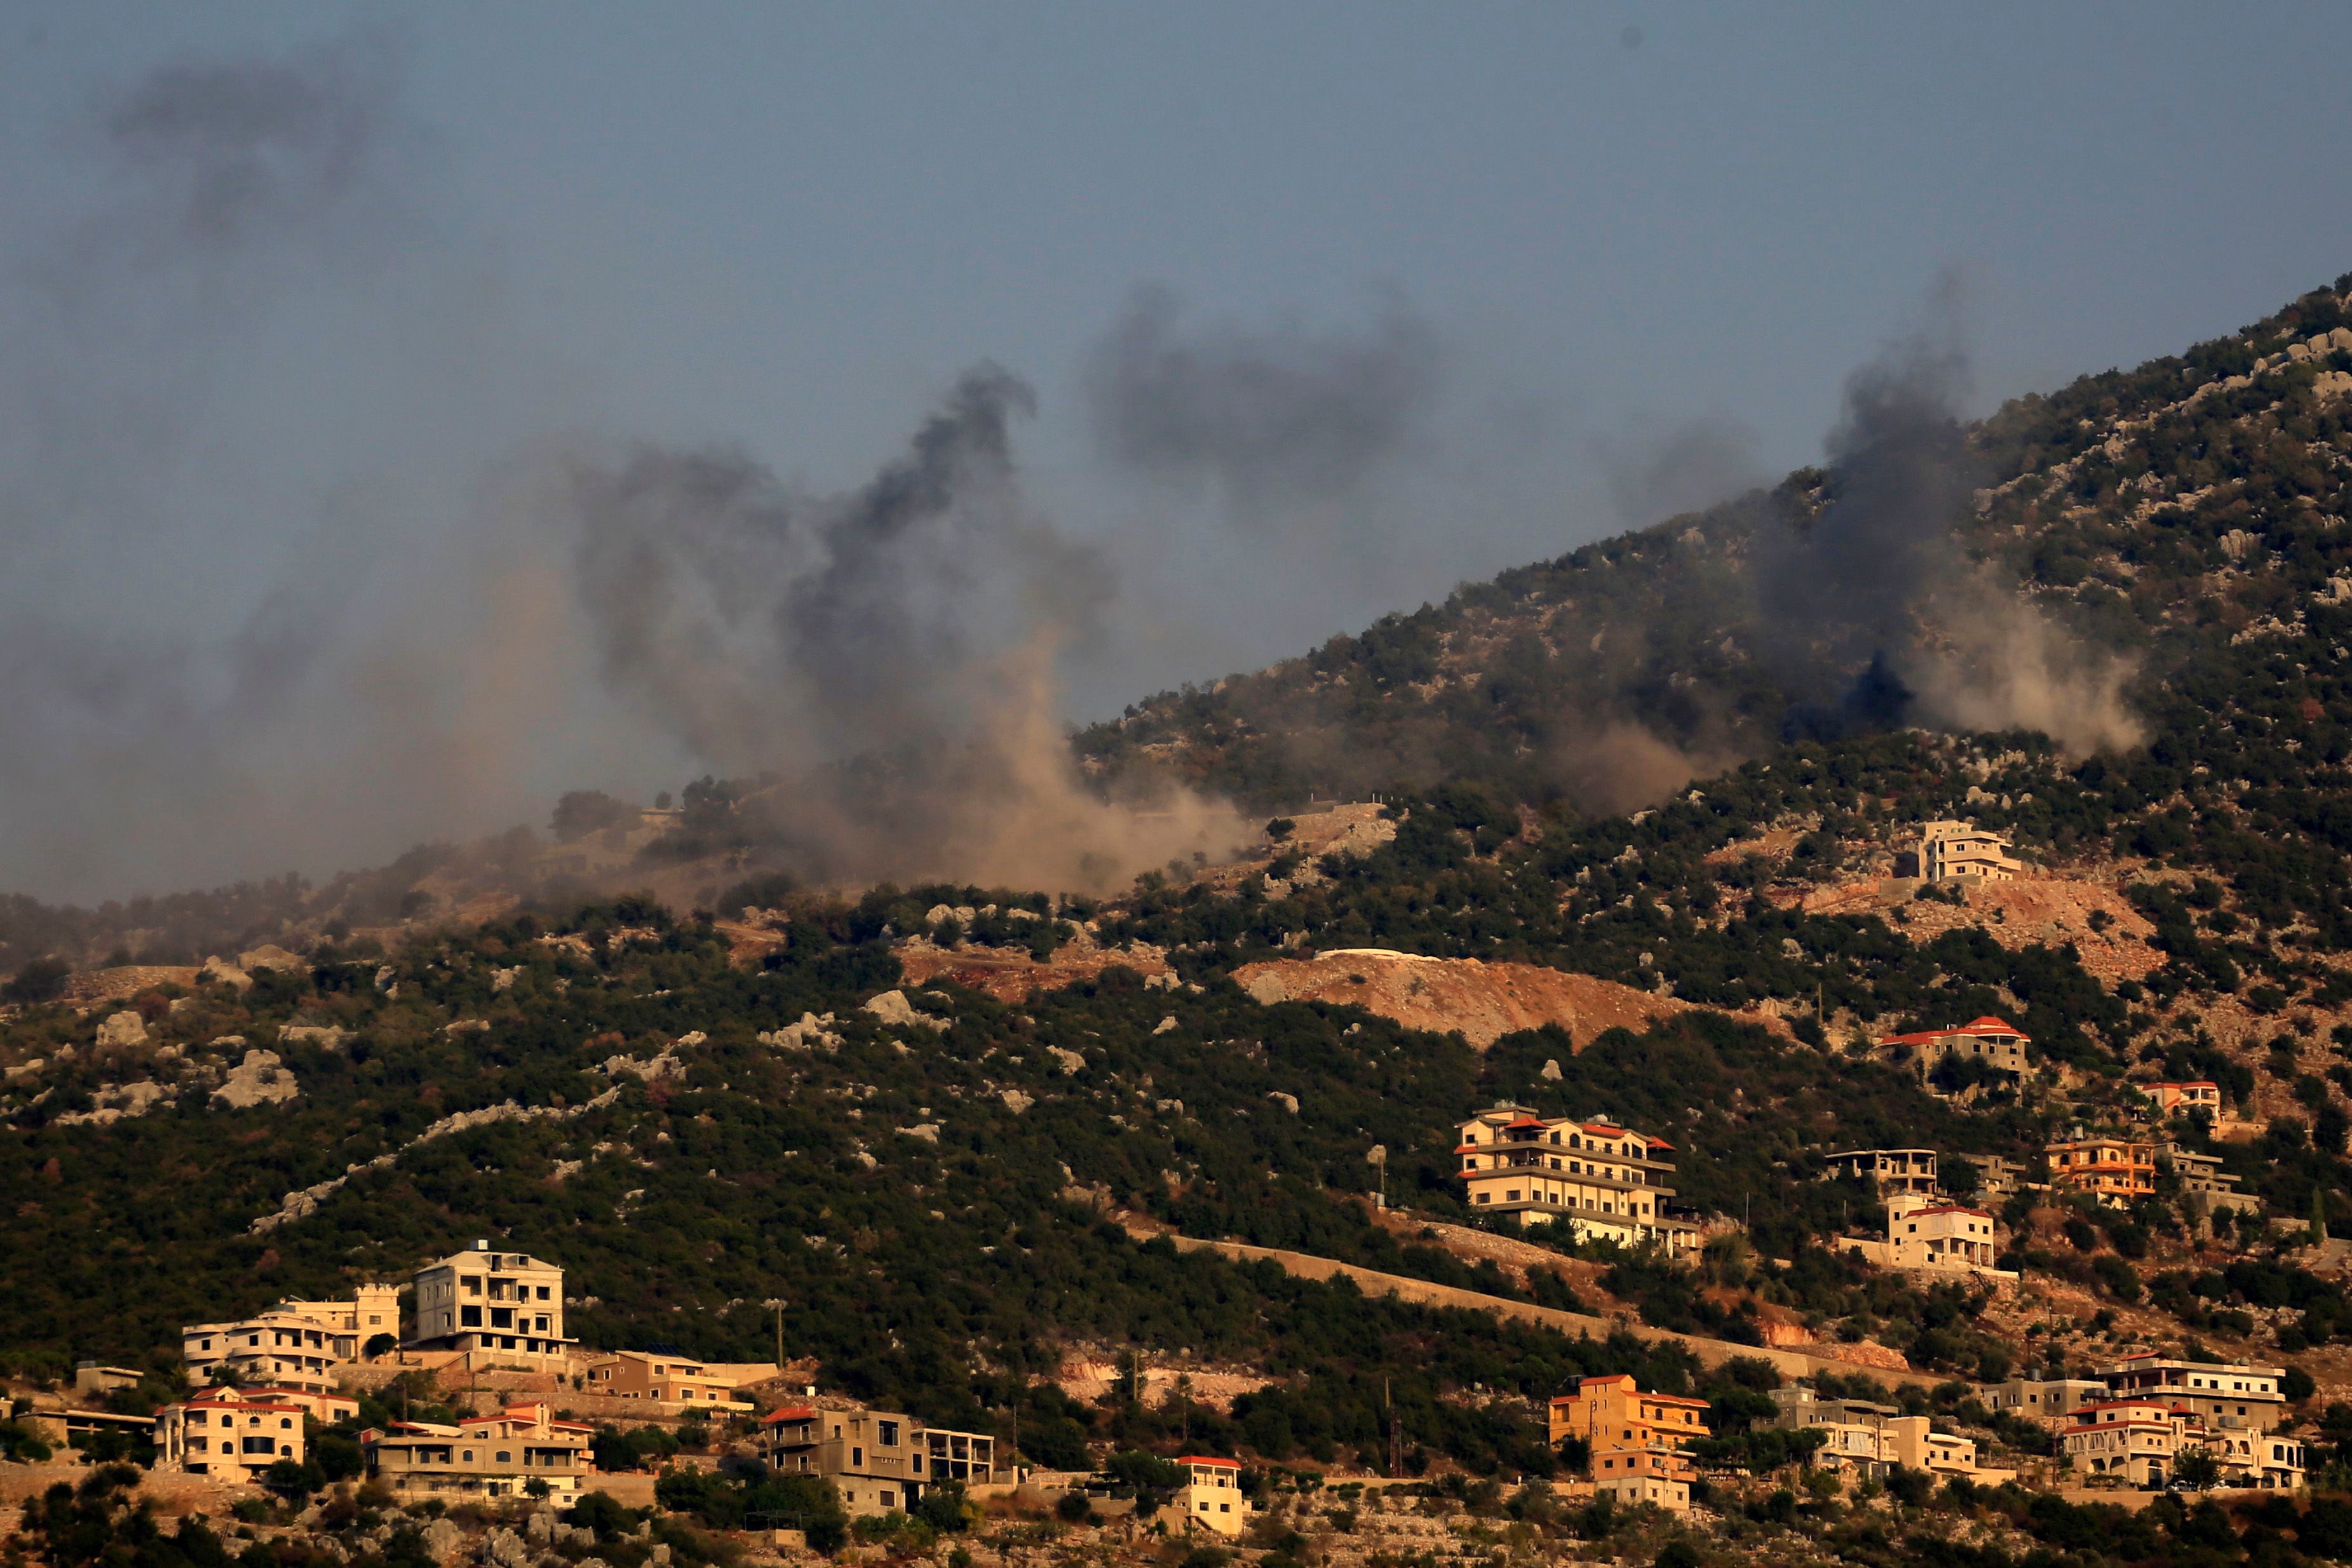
<point x="1636" y="1439"/>
<point x="2049" y="1401"/>
<point x="1604" y="1181"/>
<point x="228" y="1434"/>
<point x="1934" y="1237"/>
<point x="2204" y="1181"/>
<point x="1212" y="1497"/>
<point x="1995" y="1042"/>
<point x="502" y="1309"/>
<point x="1950" y="851"/>
<point x="878" y="1461"/>
<point x="297" y="1344"/>
<point x="493" y="1456"/>
<point x="2184" y="1098"/>
<point x="2228" y="1395"/>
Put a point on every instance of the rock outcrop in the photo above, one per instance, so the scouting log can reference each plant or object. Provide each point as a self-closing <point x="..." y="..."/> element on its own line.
<point x="260" y="1080"/>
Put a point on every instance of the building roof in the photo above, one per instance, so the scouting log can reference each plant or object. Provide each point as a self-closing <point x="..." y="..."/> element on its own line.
<point x="1947" y="1208"/>
<point x="1981" y="1027"/>
<point x="789" y="1413"/>
<point x="1208" y="1459"/>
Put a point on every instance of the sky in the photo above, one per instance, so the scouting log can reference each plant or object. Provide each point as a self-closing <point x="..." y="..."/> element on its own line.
<point x="1323" y="308"/>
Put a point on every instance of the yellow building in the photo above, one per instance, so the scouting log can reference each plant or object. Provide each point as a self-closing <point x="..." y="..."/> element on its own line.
<point x="2117" y="1171"/>
<point x="482" y="1456"/>
<point x="656" y="1374"/>
<point x="228" y="1435"/>
<point x="503" y="1309"/>
<point x="299" y="1344"/>
<point x="878" y="1460"/>
<point x="1636" y="1439"/>
<point x="1605" y="1182"/>
<point x="1211" y="1496"/>
<point x="1948" y="850"/>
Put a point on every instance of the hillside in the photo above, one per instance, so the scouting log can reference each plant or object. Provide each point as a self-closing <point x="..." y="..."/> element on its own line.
<point x="1636" y="855"/>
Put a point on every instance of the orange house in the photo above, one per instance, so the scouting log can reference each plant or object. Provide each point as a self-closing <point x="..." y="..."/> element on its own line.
<point x="2114" y="1170"/>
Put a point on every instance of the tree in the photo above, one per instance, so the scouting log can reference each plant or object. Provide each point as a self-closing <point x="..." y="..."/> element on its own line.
<point x="581" y="812"/>
<point x="43" y="980"/>
<point x="380" y="1344"/>
<point x="2196" y="1467"/>
<point x="1909" y="1486"/>
<point x="293" y="1479"/>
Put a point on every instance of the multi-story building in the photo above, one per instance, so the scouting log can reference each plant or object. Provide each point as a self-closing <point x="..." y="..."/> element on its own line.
<point x="1933" y="1237"/>
<point x="1636" y="1439"/>
<point x="662" y="1374"/>
<point x="504" y="1309"/>
<point x="1995" y="1042"/>
<point x="2118" y="1172"/>
<point x="2184" y="1098"/>
<point x="489" y="1456"/>
<point x="228" y="1435"/>
<point x="2143" y="1439"/>
<point x="1606" y="1183"/>
<point x="1950" y="851"/>
<point x="1997" y="1177"/>
<point x="297" y="1344"/>
<point x="878" y="1460"/>
<point x="2203" y="1178"/>
<point x="2229" y="1396"/>
<point x="1871" y="1439"/>
<point x="2050" y="1402"/>
<point x="1895" y="1170"/>
<point x="1212" y="1497"/>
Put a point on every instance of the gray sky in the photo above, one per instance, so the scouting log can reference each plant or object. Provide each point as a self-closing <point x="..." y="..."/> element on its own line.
<point x="1440" y="288"/>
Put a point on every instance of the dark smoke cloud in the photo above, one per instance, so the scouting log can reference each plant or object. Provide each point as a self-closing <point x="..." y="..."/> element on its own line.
<point x="1878" y="581"/>
<point x="1269" y="418"/>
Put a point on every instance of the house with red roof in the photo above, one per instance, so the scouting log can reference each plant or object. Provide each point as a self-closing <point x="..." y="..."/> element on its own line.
<point x="228" y="1433"/>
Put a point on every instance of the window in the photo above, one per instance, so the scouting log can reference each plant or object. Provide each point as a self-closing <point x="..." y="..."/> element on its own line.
<point x="542" y="1294"/>
<point x="505" y="1456"/>
<point x="856" y="1459"/>
<point x="888" y="1434"/>
<point x="503" y="1317"/>
<point x="473" y="1285"/>
<point x="469" y="1316"/>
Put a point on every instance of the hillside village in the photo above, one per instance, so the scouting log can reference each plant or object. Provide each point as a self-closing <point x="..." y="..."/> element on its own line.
<point x="1876" y="1143"/>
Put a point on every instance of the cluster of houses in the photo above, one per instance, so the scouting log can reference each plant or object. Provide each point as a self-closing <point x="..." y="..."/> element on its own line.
<point x="2136" y="1422"/>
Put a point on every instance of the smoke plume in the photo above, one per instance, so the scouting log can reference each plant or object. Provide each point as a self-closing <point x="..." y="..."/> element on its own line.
<point x="1269" y="418"/>
<point x="1879" y="578"/>
<point x="302" y="580"/>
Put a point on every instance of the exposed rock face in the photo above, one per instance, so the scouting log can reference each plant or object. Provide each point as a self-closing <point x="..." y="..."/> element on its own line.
<point x="1551" y="1070"/>
<point x="929" y="1132"/>
<point x="1015" y="1101"/>
<point x="297" y="1204"/>
<point x="220" y="971"/>
<point x="260" y="1079"/>
<point x="443" y="1539"/>
<point x="1288" y="1102"/>
<point x="1068" y="1061"/>
<point x="809" y="1034"/>
<point x="122" y="1029"/>
<point x="667" y="1065"/>
<point x="1483" y="1001"/>
<point x="326" y="1037"/>
<point x="504" y="979"/>
<point x="1265" y="987"/>
<point x="117" y="1103"/>
<point x="272" y="957"/>
<point x="893" y="1008"/>
<point x="1164" y="1026"/>
<point x="1010" y="973"/>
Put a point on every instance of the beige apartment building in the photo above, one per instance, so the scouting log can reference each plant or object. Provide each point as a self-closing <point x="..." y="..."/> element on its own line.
<point x="2229" y="1396"/>
<point x="483" y="1456"/>
<point x="502" y="1308"/>
<point x="1936" y="1237"/>
<point x="2203" y="1179"/>
<point x="665" y="1376"/>
<point x="2143" y="1439"/>
<point x="1895" y="1170"/>
<point x="878" y="1460"/>
<point x="1211" y="1496"/>
<point x="228" y="1435"/>
<point x="2048" y="1402"/>
<point x="1606" y="1183"/>
<point x="294" y="1344"/>
<point x="1952" y="850"/>
<point x="1995" y="1042"/>
<point x="1872" y="1439"/>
